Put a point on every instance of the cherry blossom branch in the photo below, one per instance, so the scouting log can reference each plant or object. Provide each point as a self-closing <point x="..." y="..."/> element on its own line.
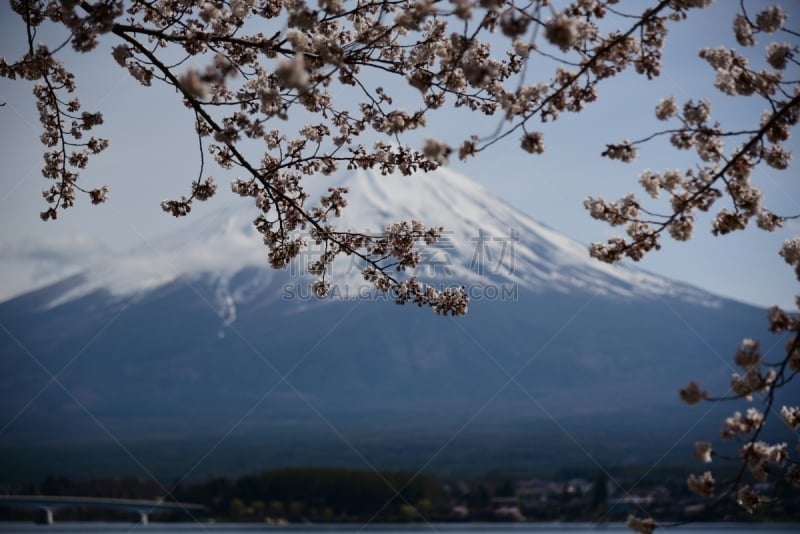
<point x="446" y="301"/>
<point x="700" y="194"/>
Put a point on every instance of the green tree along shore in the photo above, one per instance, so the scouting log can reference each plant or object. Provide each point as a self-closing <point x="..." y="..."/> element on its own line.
<point x="333" y="495"/>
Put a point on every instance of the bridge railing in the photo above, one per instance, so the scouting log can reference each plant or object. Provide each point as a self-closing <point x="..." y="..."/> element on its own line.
<point x="45" y="504"/>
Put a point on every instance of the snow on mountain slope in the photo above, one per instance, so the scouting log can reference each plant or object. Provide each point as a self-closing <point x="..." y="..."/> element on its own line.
<point x="485" y="241"/>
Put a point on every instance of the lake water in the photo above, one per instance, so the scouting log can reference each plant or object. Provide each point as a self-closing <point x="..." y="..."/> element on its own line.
<point x="232" y="528"/>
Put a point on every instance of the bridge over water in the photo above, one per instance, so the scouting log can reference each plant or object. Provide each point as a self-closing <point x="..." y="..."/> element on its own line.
<point x="141" y="509"/>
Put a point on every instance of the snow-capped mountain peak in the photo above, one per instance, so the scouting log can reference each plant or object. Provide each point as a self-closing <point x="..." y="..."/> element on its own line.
<point x="485" y="242"/>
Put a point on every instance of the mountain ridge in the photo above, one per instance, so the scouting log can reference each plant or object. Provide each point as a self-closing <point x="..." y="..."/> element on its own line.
<point x="485" y="241"/>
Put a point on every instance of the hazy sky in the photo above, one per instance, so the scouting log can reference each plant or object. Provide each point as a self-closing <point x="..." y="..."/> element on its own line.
<point x="154" y="155"/>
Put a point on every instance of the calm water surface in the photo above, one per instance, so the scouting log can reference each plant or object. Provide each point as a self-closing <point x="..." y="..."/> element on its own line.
<point x="229" y="528"/>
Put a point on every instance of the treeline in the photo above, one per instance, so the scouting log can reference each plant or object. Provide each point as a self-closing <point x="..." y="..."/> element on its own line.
<point x="322" y="494"/>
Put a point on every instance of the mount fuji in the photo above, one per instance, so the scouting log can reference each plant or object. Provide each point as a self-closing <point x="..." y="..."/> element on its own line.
<point x="189" y="351"/>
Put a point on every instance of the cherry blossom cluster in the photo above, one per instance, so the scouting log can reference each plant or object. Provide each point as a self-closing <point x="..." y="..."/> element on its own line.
<point x="757" y="379"/>
<point x="64" y="125"/>
<point x="271" y="60"/>
<point x="724" y="176"/>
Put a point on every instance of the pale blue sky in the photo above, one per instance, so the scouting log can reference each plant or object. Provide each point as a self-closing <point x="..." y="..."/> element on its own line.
<point x="153" y="155"/>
